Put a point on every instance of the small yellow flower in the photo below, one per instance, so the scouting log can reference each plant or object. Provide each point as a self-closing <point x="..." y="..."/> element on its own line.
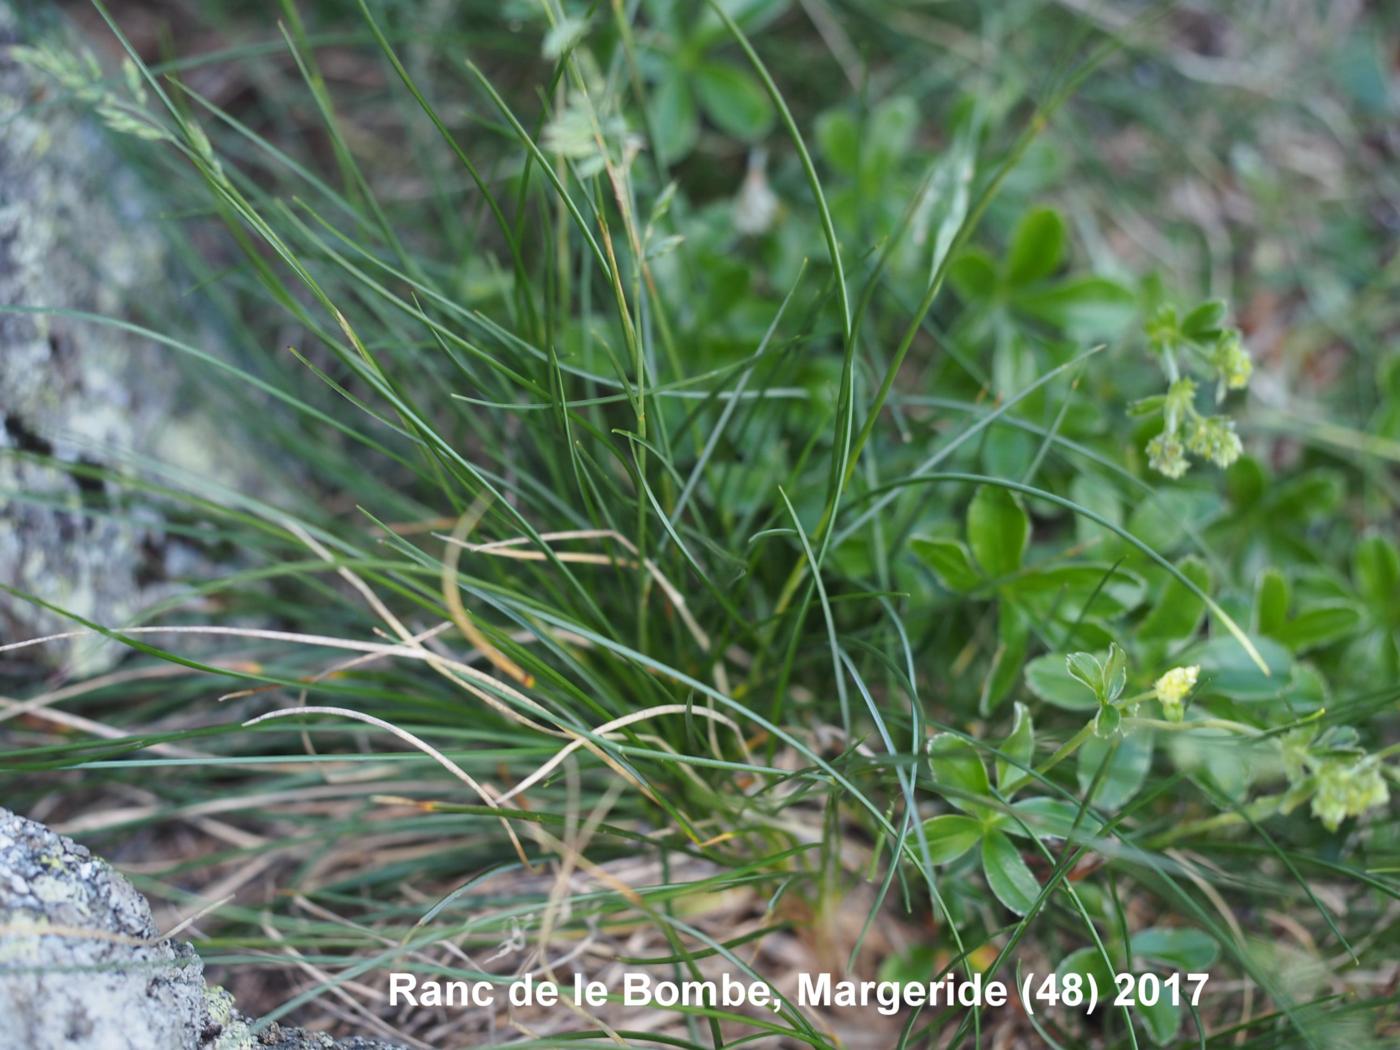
<point x="1172" y="688"/>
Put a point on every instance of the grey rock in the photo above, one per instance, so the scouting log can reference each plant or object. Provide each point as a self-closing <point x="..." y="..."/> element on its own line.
<point x="82" y="967"/>
<point x="77" y="232"/>
<point x="278" y="1038"/>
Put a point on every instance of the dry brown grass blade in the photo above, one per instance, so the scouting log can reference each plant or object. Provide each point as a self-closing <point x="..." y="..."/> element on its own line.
<point x="452" y="597"/>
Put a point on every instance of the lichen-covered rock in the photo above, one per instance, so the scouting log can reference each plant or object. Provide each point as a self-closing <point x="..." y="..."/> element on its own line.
<point x="235" y="1032"/>
<point x="76" y="233"/>
<point x="82" y="967"/>
<point x="276" y="1037"/>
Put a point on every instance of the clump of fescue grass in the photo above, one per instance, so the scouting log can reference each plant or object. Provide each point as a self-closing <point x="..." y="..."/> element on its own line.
<point x="640" y="592"/>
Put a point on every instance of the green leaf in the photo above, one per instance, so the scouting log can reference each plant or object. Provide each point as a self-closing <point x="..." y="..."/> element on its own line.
<point x="973" y="275"/>
<point x="918" y="963"/>
<point x="1092" y="632"/>
<point x="751" y="15"/>
<point x="1319" y="625"/>
<point x="997" y="530"/>
<point x="666" y="16"/>
<point x="1270" y="601"/>
<point x="1049" y="679"/>
<point x="1107" y="722"/>
<point x="1185" y="948"/>
<point x="1013" y="638"/>
<point x="1007" y="874"/>
<point x="1178" y="612"/>
<point x="729" y="283"/>
<point x="1051" y="816"/>
<point x="1087" y="962"/>
<point x="950" y="193"/>
<point x="1230" y="672"/>
<point x="1307" y="497"/>
<point x="1115" y="673"/>
<point x="1362" y="68"/>
<point x="1085" y="306"/>
<point x="1162" y="1020"/>
<point x="1019" y="747"/>
<point x="1085" y="669"/>
<point x="734" y="100"/>
<point x="888" y="135"/>
<point x="950" y="836"/>
<point x="958" y="770"/>
<point x="1037" y="247"/>
<point x="1070" y="592"/>
<point x="674" y="118"/>
<point x="1204" y="321"/>
<point x="1160" y="520"/>
<point x="1008" y="453"/>
<point x="950" y="561"/>
<point x="1127" y="769"/>
<point x="1376" y="571"/>
<point x="839" y="140"/>
<point x="1100" y="496"/>
<point x="1246" y="482"/>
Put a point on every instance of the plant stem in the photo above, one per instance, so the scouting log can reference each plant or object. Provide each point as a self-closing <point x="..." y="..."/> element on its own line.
<point x="1259" y="809"/>
<point x="1069" y="747"/>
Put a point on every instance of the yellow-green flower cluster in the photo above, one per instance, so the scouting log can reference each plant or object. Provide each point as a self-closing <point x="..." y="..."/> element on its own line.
<point x="1214" y="438"/>
<point x="1348" y="787"/>
<point x="1184" y="429"/>
<point x="1167" y="455"/>
<point x="1173" y="688"/>
<point x="1296" y="758"/>
<point x="1197" y="343"/>
<point x="1232" y="362"/>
